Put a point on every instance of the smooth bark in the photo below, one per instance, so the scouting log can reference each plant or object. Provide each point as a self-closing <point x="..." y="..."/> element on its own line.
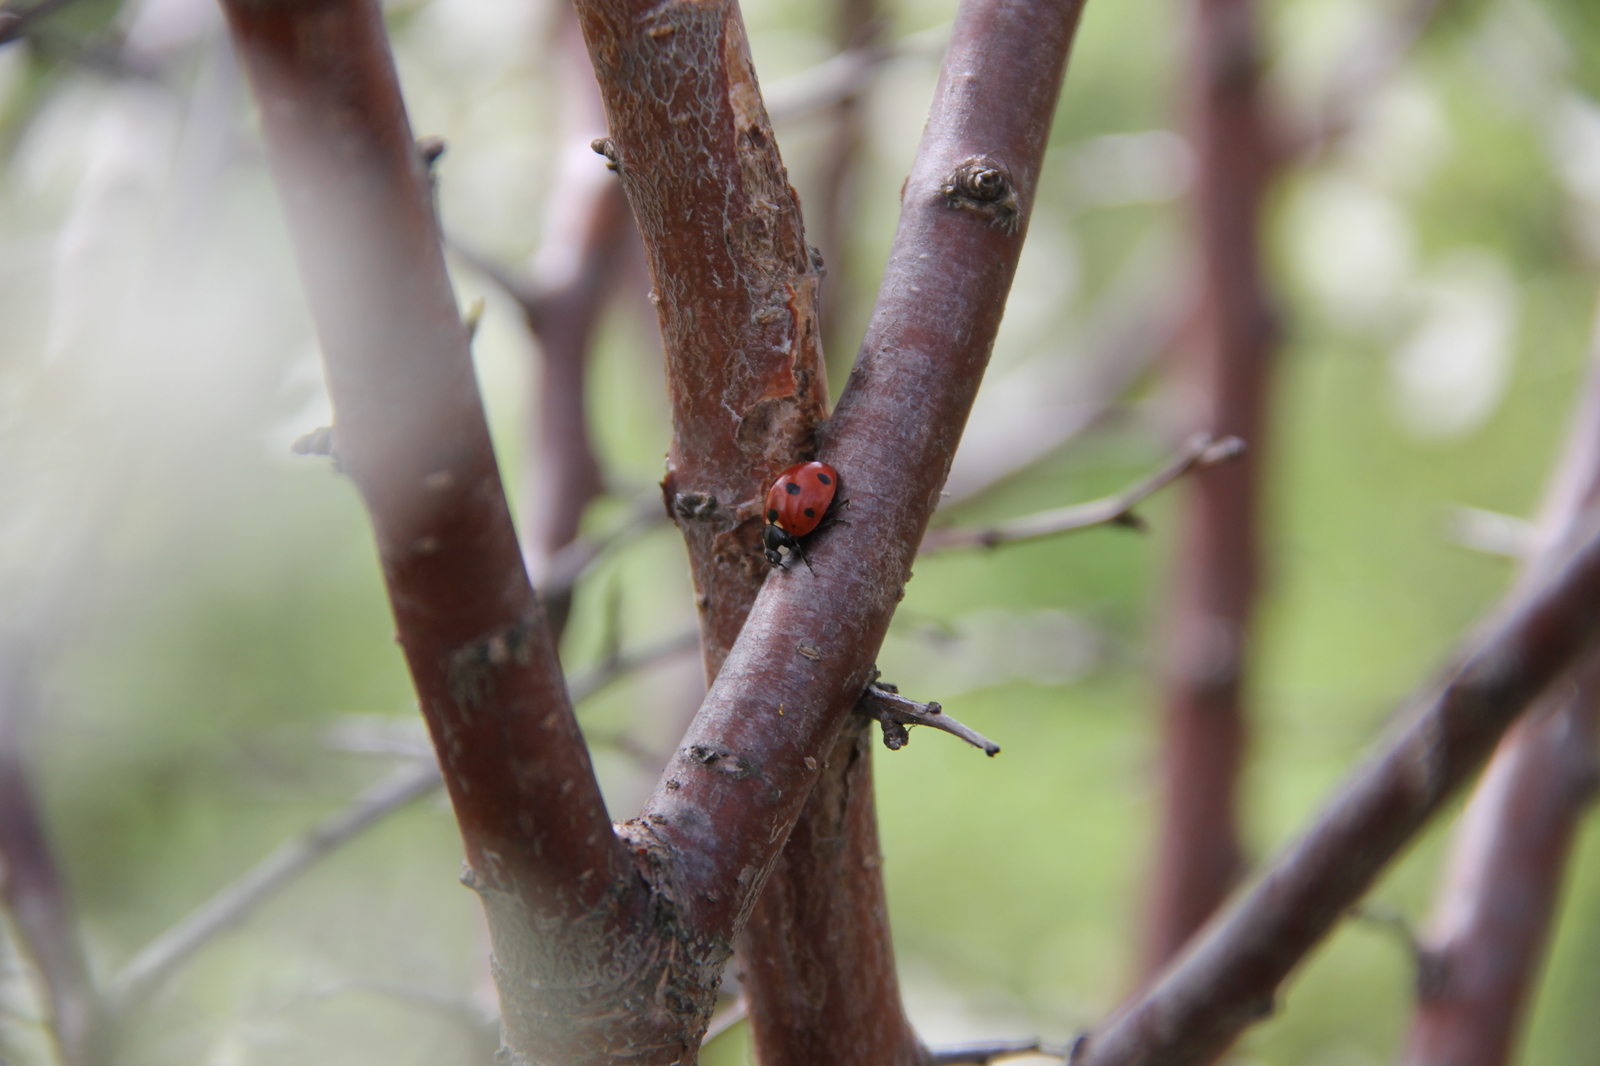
<point x="1225" y="381"/>
<point x="1228" y="977"/>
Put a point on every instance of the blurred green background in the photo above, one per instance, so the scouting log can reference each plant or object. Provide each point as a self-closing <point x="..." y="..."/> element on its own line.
<point x="215" y="659"/>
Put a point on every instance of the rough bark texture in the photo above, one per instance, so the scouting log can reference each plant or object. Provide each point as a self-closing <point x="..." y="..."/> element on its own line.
<point x="1228" y="977"/>
<point x="581" y="978"/>
<point x="825" y="903"/>
<point x="806" y="652"/>
<point x="733" y="280"/>
<point x="1225" y="385"/>
<point x="1510" y="852"/>
<point x="736" y="288"/>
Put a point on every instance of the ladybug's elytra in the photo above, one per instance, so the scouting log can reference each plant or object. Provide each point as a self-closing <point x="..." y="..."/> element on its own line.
<point x="796" y="502"/>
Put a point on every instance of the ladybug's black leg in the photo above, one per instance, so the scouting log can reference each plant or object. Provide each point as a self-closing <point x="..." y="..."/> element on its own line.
<point x="794" y="546"/>
<point x="832" y="517"/>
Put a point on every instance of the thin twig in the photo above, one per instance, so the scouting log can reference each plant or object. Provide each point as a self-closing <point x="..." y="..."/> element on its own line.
<point x="1365" y="69"/>
<point x="1201" y="452"/>
<point x="165" y="955"/>
<point x="613" y="667"/>
<point x="846" y="74"/>
<point x="986" y="1053"/>
<point x="569" y="564"/>
<point x="894" y="712"/>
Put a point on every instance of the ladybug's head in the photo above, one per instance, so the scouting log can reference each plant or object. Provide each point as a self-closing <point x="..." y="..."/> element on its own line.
<point x="773" y="538"/>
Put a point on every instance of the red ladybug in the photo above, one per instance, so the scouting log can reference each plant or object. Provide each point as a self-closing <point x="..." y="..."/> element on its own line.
<point x="796" y="502"/>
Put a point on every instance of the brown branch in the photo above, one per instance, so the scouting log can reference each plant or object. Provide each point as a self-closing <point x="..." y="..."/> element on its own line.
<point x="410" y="431"/>
<point x="1224" y="379"/>
<point x="857" y="26"/>
<point x="1510" y="852"/>
<point x="163" y="957"/>
<point x="33" y="888"/>
<point x="1200" y="453"/>
<point x="1229" y="976"/>
<point x="736" y="288"/>
<point x="894" y="713"/>
<point x="588" y="233"/>
<point x="738" y="783"/>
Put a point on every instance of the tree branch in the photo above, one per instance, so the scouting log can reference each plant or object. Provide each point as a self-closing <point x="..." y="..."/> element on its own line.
<point x="1498" y="897"/>
<point x="158" y="961"/>
<point x="735" y="787"/>
<point x="1223" y="382"/>
<point x="1229" y="976"/>
<point x="588" y="232"/>
<point x="410" y="431"/>
<point x="1200" y="453"/>
<point x="34" y="889"/>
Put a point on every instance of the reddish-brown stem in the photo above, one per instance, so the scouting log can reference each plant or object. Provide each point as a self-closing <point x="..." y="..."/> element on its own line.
<point x="805" y="654"/>
<point x="587" y="233"/>
<point x="1510" y="851"/>
<point x="857" y="26"/>
<point x="734" y="282"/>
<point x="737" y="288"/>
<point x="34" y="890"/>
<point x="410" y="432"/>
<point x="1225" y="381"/>
<point x="805" y="1004"/>
<point x="1228" y="976"/>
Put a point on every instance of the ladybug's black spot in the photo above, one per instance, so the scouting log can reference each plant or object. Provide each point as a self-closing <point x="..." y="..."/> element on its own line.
<point x="792" y="489"/>
<point x="810" y="513"/>
<point x="772" y="516"/>
<point x="825" y="479"/>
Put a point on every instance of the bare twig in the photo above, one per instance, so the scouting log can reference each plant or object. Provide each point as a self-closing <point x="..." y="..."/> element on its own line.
<point x="33" y="888"/>
<point x="1229" y="976"/>
<point x="1366" y="68"/>
<point x="569" y="563"/>
<point x="984" y="1054"/>
<point x="845" y="75"/>
<point x="614" y="667"/>
<point x="158" y="961"/>
<point x="883" y="704"/>
<point x="1202" y="451"/>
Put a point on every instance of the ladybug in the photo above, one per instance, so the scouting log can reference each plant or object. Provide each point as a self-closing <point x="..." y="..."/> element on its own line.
<point x="797" y="501"/>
